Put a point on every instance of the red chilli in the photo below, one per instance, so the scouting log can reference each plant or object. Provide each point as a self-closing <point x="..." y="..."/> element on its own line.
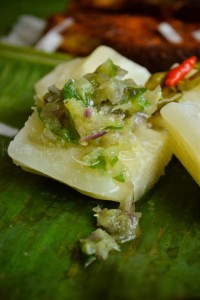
<point x="175" y="75"/>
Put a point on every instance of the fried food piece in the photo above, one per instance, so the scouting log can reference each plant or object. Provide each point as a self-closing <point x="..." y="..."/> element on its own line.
<point x="186" y="9"/>
<point x="134" y="36"/>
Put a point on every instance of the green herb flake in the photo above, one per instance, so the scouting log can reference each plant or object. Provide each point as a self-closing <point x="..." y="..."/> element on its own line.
<point x="113" y="160"/>
<point x="114" y="127"/>
<point x="110" y="69"/>
<point x="64" y="134"/>
<point x="99" y="163"/>
<point x="70" y="91"/>
<point x="121" y="177"/>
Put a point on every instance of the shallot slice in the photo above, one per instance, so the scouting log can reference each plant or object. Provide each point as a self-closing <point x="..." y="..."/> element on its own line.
<point x="93" y="136"/>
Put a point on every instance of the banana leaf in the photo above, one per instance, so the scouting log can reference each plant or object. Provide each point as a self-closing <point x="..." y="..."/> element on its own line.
<point x="11" y="10"/>
<point x="42" y="220"/>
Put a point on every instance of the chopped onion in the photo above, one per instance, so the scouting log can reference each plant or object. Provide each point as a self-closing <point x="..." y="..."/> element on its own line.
<point x="7" y="130"/>
<point x="87" y="113"/>
<point x="26" y="31"/>
<point x="51" y="41"/>
<point x="139" y="117"/>
<point x="93" y="136"/>
<point x="196" y="35"/>
<point x="66" y="23"/>
<point x="169" y="33"/>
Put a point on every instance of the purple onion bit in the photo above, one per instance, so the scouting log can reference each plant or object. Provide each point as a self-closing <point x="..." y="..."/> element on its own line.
<point x="93" y="136"/>
<point x="87" y="113"/>
<point x="133" y="218"/>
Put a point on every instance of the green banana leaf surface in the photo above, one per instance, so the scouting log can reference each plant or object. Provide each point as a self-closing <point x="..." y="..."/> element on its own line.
<point x="41" y="220"/>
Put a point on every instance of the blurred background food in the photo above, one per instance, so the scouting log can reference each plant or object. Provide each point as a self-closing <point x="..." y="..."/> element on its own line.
<point x="187" y="9"/>
<point x="153" y="33"/>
